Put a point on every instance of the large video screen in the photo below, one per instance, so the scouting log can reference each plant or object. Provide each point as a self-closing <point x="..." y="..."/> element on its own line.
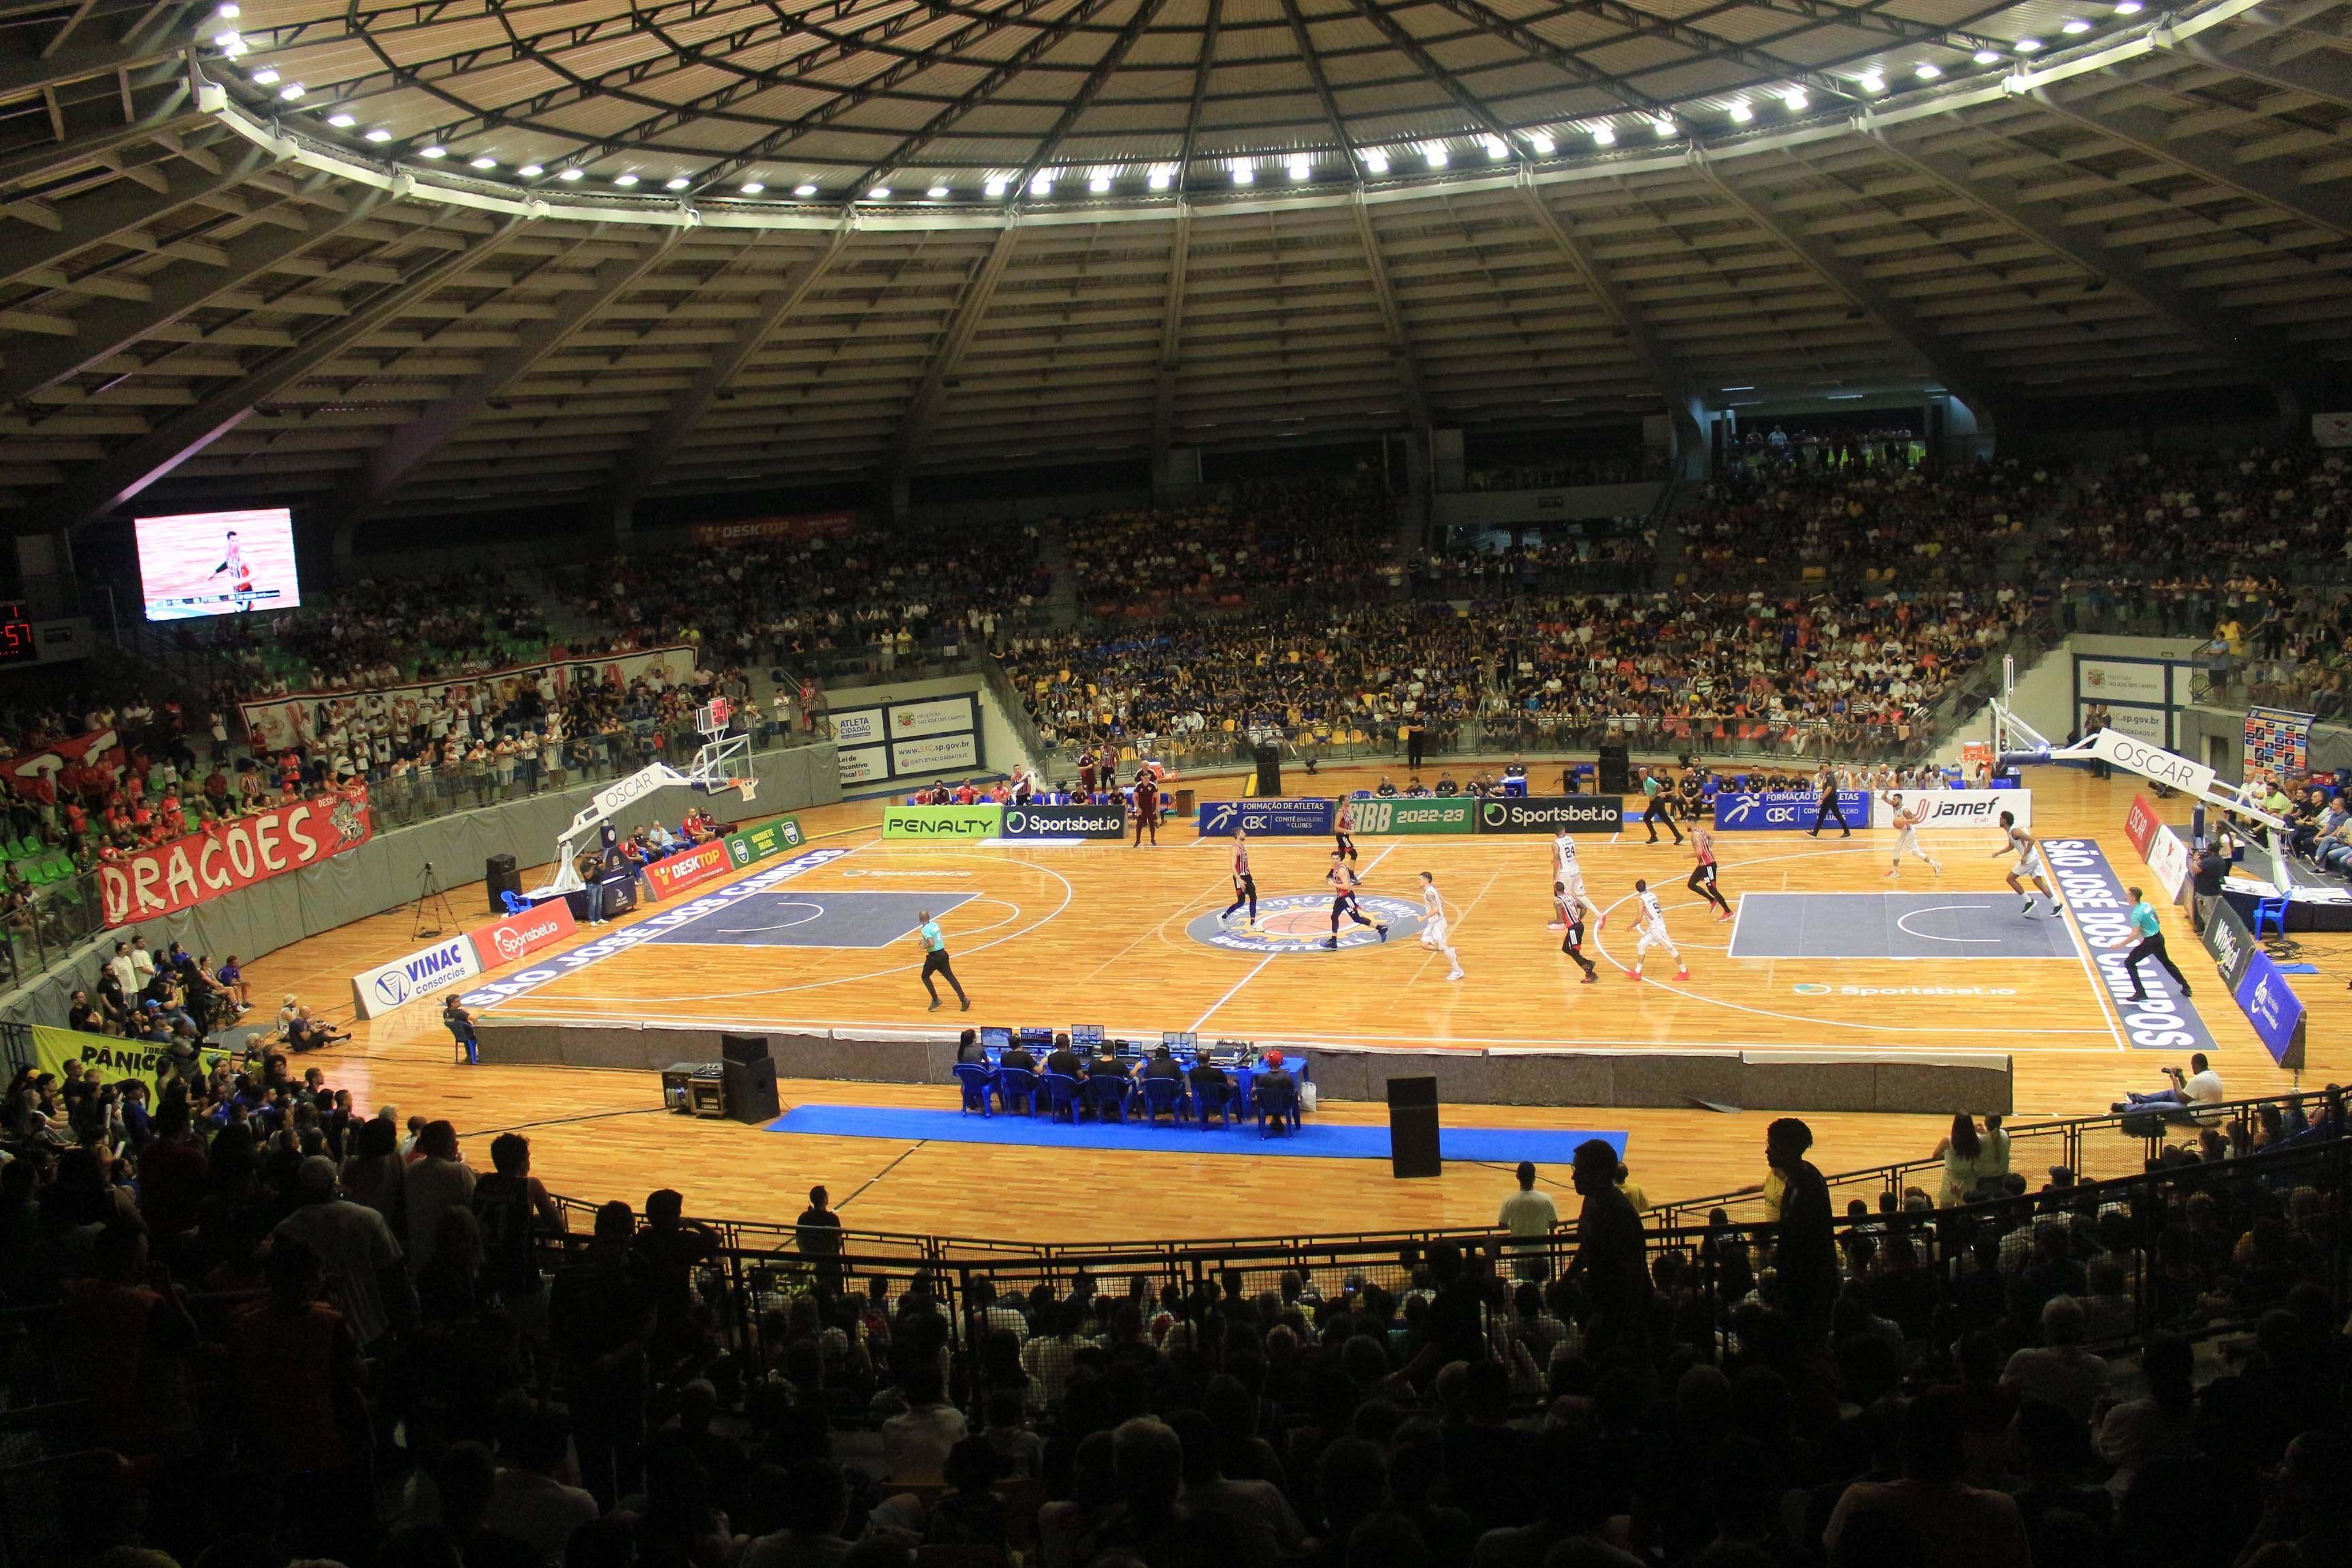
<point x="218" y="564"/>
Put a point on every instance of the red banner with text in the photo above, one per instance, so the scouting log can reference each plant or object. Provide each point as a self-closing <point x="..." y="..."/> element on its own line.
<point x="227" y="856"/>
<point x="690" y="870"/>
<point x="2140" y="824"/>
<point x="520" y="936"/>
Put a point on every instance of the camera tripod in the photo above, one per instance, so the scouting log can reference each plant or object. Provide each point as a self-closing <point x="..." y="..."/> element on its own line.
<point x="431" y="906"/>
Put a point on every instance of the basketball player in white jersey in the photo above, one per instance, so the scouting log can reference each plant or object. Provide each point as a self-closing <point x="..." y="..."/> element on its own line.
<point x="240" y="575"/>
<point x="1432" y="924"/>
<point x="1650" y="931"/>
<point x="1906" y="836"/>
<point x="2030" y="866"/>
<point x="1569" y="874"/>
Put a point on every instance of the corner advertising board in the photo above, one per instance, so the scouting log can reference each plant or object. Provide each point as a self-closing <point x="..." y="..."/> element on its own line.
<point x="943" y="822"/>
<point x="1410" y="816"/>
<point x="2273" y="1010"/>
<point x="1295" y="816"/>
<point x="2167" y="857"/>
<point x="691" y="869"/>
<point x="520" y="936"/>
<point x="2140" y="824"/>
<point x="420" y="973"/>
<point x="1064" y="821"/>
<point x="1750" y="811"/>
<point x="2229" y="942"/>
<point x="1553" y="814"/>
<point x="1946" y="809"/>
<point x="760" y="843"/>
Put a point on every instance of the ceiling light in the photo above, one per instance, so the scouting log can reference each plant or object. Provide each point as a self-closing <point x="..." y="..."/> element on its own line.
<point x="1928" y="72"/>
<point x="1098" y="184"/>
<point x="231" y="12"/>
<point x="1376" y="160"/>
<point x="486" y="162"/>
<point x="624" y="181"/>
<point x="290" y="91"/>
<point x="1041" y="186"/>
<point x="2127" y="8"/>
<point x="1540" y="142"/>
<point x="2075" y="25"/>
<point x="2026" y="46"/>
<point x="1161" y="179"/>
<point x="677" y="184"/>
<point x="1301" y="169"/>
<point x="804" y="190"/>
<point x="530" y="171"/>
<point x="1436" y="155"/>
<point x="234" y="49"/>
<point x="1738" y="389"/>
<point x="752" y="187"/>
<point x="227" y="40"/>
<point x="378" y="134"/>
<point x="1741" y="113"/>
<point x="1604" y="136"/>
<point x="343" y="121"/>
<point x="1874" y="82"/>
<point x="995" y="187"/>
<point x="939" y="193"/>
<point x="1497" y="149"/>
<point x="1666" y="127"/>
<point x="1798" y="99"/>
<point x="433" y="152"/>
<point x="266" y="77"/>
<point x="879" y="194"/>
<point x="1988" y="57"/>
<point x="1245" y="175"/>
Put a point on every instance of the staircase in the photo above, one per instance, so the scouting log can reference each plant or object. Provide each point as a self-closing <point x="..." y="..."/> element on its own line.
<point x="1665" y="524"/>
<point x="1054" y="552"/>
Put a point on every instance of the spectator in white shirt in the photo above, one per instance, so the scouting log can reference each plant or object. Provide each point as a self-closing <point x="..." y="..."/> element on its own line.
<point x="531" y="1500"/>
<point x="1530" y="1217"/>
<point x="915" y="1445"/>
<point x="2059" y="1370"/>
<point x="2201" y="1087"/>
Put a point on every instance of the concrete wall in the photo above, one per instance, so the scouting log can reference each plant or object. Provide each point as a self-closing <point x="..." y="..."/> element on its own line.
<point x="388" y="872"/>
<point x="1503" y="509"/>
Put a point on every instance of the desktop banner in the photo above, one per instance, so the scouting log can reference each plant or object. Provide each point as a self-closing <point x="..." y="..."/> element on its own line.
<point x="2273" y="1010"/>
<point x="2166" y="1020"/>
<point x="227" y="855"/>
<point x="696" y="865"/>
<point x="1411" y="814"/>
<point x="1295" y="816"/>
<point x="1754" y="812"/>
<point x="943" y="822"/>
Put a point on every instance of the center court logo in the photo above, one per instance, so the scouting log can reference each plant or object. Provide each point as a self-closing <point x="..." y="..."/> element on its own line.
<point x="1294" y="923"/>
<point x="1813" y="990"/>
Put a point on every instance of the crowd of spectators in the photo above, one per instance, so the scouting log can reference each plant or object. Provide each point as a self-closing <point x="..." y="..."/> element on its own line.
<point x="1305" y="538"/>
<point x="1613" y="556"/>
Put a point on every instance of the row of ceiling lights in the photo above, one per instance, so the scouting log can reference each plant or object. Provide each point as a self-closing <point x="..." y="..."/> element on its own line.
<point x="1243" y="171"/>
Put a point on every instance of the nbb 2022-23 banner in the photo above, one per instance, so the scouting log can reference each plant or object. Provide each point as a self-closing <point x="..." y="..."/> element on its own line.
<point x="1310" y="815"/>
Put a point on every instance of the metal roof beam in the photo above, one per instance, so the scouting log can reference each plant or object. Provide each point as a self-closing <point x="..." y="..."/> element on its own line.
<point x="660" y="441"/>
<point x="1408" y="372"/>
<point x="923" y="410"/>
<point x="1096" y="79"/>
<point x="123" y="473"/>
<point x="123" y="207"/>
<point x="1469" y="103"/>
<point x="2323" y="74"/>
<point x="1172" y="338"/>
<point x="2286" y="367"/>
<point x="412" y="445"/>
<point x="23" y="75"/>
<point x="1967" y="377"/>
<point x="28" y="164"/>
<point x="110" y="327"/>
<point x="2327" y="206"/>
<point x="1205" y="63"/>
<point x="1714" y="47"/>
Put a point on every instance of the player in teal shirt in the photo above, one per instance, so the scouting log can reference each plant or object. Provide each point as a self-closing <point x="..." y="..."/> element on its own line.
<point x="2151" y="944"/>
<point x="934" y="943"/>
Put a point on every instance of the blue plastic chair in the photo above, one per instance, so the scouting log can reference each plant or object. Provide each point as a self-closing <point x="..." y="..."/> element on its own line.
<point x="1163" y="1094"/>
<point x="515" y="902"/>
<point x="1106" y="1096"/>
<point x="1017" y="1085"/>
<point x="1061" y="1094"/>
<point x="2271" y="911"/>
<point x="1220" y="1106"/>
<point x="1278" y="1100"/>
<point x="977" y="1081"/>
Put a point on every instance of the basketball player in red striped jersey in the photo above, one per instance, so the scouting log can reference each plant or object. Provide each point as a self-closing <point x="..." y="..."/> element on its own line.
<point x="1702" y="876"/>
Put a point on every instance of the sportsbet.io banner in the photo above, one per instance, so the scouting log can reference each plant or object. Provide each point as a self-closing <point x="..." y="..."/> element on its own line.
<point x="2165" y="1021"/>
<point x="1416" y="814"/>
<point x="1299" y="817"/>
<point x="967" y="823"/>
<point x="1553" y="814"/>
<point x="1064" y="821"/>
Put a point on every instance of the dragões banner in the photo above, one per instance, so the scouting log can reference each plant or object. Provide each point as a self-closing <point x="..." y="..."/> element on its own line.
<point x="1748" y="811"/>
<point x="227" y="855"/>
<point x="1064" y="821"/>
<point x="1293" y="816"/>
<point x="2165" y="1021"/>
<point x="2273" y="1010"/>
<point x="765" y="842"/>
<point x="969" y="823"/>
<point x="696" y="865"/>
<point x="1943" y="810"/>
<point x="1410" y="815"/>
<point x="1553" y="814"/>
<point x="378" y="991"/>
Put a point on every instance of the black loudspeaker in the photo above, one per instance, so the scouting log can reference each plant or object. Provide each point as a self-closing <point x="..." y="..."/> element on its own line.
<point x="500" y="876"/>
<point x="1269" y="772"/>
<point x="1412" y="1128"/>
<point x="1616" y="772"/>
<point x="743" y="1048"/>
<point x="752" y="1090"/>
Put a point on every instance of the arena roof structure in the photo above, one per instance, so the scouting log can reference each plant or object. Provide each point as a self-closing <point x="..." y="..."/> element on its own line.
<point x="371" y="259"/>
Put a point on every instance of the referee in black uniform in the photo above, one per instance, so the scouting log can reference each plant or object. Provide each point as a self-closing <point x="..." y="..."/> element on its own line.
<point x="1830" y="806"/>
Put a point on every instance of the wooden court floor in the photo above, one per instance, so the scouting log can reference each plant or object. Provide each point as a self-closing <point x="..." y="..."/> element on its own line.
<point x="1098" y="934"/>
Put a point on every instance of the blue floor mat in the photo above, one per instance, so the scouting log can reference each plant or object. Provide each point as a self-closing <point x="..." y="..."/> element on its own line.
<point x="1315" y="1140"/>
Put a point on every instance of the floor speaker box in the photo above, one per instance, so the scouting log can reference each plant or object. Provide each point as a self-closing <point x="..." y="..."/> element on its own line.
<point x="743" y="1048"/>
<point x="500" y="876"/>
<point x="752" y="1090"/>
<point x="1412" y="1128"/>
<point x="1269" y="772"/>
<point x="1615" y="772"/>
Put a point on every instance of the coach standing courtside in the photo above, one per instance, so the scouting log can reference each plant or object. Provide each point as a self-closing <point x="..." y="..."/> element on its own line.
<point x="934" y="943"/>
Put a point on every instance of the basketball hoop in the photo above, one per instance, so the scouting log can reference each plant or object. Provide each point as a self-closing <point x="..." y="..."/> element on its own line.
<point x="750" y="788"/>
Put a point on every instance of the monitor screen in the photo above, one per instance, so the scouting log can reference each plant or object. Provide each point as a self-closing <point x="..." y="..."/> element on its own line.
<point x="1037" y="1038"/>
<point x="996" y="1039"/>
<point x="216" y="563"/>
<point x="1087" y="1035"/>
<point x="1179" y="1039"/>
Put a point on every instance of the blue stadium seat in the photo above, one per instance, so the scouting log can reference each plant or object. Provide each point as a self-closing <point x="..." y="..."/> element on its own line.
<point x="1017" y="1084"/>
<point x="1163" y="1094"/>
<point x="978" y="1081"/>
<point x="1106" y="1096"/>
<point x="1061" y="1094"/>
<point x="1276" y="1099"/>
